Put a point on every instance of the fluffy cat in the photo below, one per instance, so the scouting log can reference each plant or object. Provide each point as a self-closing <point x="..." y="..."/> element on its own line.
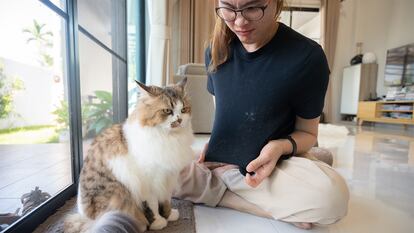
<point x="131" y="169"/>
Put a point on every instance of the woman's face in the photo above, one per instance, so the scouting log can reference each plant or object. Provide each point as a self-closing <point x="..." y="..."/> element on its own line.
<point x="251" y="32"/>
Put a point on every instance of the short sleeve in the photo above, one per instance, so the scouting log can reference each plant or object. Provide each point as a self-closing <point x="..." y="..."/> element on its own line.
<point x="207" y="58"/>
<point x="308" y="102"/>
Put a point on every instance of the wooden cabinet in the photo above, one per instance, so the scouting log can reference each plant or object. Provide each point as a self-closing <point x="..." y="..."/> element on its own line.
<point x="367" y="110"/>
<point x="398" y="112"/>
<point x="359" y="83"/>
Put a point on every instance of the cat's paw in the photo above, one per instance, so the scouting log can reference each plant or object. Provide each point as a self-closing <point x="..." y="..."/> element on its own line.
<point x="174" y="215"/>
<point x="158" y="224"/>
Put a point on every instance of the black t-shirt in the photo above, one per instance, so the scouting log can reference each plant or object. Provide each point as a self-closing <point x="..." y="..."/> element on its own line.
<point x="259" y="94"/>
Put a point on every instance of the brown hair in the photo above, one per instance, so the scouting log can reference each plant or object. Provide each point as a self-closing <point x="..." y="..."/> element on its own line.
<point x="222" y="36"/>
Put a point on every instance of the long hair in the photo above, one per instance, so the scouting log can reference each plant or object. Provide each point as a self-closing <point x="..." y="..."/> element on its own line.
<point x="222" y="37"/>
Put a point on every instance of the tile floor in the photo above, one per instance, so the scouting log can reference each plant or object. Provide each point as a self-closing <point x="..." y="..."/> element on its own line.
<point x="23" y="167"/>
<point x="378" y="166"/>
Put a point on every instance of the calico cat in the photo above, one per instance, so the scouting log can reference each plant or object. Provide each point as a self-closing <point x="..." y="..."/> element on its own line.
<point x="132" y="168"/>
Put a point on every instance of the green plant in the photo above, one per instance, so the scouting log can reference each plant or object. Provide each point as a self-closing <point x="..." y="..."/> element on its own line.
<point x="43" y="39"/>
<point x="62" y="116"/>
<point x="8" y="87"/>
<point x="98" y="113"/>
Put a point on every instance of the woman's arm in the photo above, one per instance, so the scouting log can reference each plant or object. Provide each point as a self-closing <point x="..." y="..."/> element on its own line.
<point x="305" y="136"/>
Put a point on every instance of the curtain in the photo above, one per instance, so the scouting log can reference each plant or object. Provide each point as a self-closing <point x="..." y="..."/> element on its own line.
<point x="203" y="27"/>
<point x="179" y="31"/>
<point x="329" y="24"/>
<point x="159" y="48"/>
<point x="193" y="24"/>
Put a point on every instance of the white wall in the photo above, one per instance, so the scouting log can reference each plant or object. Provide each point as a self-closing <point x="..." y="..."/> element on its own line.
<point x="345" y="43"/>
<point x="312" y="28"/>
<point x="39" y="98"/>
<point x="379" y="25"/>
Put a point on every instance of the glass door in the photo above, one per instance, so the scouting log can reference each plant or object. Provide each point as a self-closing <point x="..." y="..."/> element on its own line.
<point x="63" y="79"/>
<point x="102" y="65"/>
<point x="35" y="133"/>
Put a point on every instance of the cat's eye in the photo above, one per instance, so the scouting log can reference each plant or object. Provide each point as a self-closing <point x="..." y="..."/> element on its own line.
<point x="185" y="110"/>
<point x="167" y="111"/>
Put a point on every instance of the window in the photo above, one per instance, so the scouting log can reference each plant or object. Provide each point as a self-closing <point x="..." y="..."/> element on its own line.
<point x="102" y="65"/>
<point x="63" y="69"/>
<point x="137" y="37"/>
<point x="303" y="20"/>
<point x="35" y="149"/>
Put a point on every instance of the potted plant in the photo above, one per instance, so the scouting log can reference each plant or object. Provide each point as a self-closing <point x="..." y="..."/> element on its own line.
<point x="98" y="113"/>
<point x="62" y="119"/>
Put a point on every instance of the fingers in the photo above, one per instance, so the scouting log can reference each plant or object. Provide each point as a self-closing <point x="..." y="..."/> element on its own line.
<point x="203" y="154"/>
<point x="256" y="166"/>
<point x="266" y="171"/>
<point x="260" y="174"/>
<point x="201" y="158"/>
<point x="258" y="162"/>
<point x="205" y="148"/>
<point x="251" y="181"/>
<point x="256" y="179"/>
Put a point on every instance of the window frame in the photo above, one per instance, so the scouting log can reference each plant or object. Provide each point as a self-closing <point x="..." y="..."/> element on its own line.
<point x="32" y="220"/>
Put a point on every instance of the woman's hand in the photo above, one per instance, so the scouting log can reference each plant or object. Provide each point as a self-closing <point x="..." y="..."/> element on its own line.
<point x="203" y="154"/>
<point x="264" y="164"/>
<point x="209" y="165"/>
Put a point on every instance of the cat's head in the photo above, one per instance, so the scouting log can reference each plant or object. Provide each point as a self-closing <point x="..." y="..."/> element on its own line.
<point x="166" y="107"/>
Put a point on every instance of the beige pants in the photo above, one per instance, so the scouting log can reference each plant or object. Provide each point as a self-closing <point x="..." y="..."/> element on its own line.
<point x="299" y="190"/>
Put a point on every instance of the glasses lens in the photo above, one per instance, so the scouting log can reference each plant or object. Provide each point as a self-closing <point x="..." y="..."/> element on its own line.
<point x="252" y="13"/>
<point x="226" y="14"/>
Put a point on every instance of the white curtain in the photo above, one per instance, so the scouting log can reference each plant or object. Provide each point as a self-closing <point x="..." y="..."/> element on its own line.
<point x="159" y="48"/>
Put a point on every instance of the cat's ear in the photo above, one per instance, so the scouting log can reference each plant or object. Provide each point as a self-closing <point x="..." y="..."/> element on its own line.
<point x="181" y="84"/>
<point x="150" y="90"/>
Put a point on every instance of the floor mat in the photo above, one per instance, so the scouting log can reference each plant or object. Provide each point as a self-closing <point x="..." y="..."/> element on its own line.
<point x="185" y="224"/>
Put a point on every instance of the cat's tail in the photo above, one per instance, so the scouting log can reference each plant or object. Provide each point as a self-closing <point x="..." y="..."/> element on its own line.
<point x="76" y="223"/>
<point x="110" y="222"/>
<point x="115" y="221"/>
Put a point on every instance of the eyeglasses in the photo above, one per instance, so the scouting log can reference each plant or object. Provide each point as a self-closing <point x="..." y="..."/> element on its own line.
<point x="249" y="13"/>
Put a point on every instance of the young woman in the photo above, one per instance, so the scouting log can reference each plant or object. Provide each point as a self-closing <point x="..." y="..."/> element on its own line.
<point x="269" y="84"/>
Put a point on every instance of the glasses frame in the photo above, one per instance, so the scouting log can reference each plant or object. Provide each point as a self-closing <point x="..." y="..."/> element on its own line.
<point x="263" y="8"/>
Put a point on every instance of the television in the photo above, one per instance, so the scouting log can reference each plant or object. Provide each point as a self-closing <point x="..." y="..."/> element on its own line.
<point x="399" y="66"/>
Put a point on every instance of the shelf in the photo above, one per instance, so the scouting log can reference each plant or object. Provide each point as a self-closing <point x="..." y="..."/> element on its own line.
<point x="410" y="111"/>
<point x="374" y="112"/>
<point x="389" y="120"/>
<point x="394" y="120"/>
<point x="397" y="102"/>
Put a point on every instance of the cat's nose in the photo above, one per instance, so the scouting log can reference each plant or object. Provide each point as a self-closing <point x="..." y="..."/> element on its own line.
<point x="176" y="123"/>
